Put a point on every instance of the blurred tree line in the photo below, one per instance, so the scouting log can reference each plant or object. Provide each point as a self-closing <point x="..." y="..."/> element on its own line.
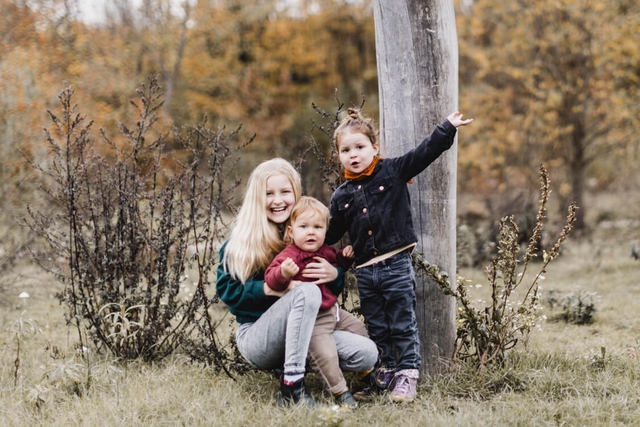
<point x="258" y="64"/>
<point x="553" y="82"/>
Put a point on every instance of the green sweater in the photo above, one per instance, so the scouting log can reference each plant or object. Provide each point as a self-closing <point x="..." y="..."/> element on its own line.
<point x="247" y="300"/>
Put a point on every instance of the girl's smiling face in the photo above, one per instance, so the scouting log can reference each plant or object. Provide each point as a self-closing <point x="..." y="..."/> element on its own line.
<point x="356" y="151"/>
<point x="280" y="198"/>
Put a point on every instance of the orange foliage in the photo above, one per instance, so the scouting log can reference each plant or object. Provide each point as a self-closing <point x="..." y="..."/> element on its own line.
<point x="543" y="79"/>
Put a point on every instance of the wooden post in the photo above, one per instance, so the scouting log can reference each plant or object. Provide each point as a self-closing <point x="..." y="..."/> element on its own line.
<point x="417" y="56"/>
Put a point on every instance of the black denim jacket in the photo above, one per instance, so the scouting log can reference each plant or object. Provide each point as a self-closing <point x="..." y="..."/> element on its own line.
<point x="376" y="210"/>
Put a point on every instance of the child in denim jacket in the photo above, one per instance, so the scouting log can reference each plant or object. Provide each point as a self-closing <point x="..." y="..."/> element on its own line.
<point x="373" y="205"/>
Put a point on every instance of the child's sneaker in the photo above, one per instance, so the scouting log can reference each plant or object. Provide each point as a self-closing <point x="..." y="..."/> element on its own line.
<point x="382" y="378"/>
<point x="404" y="385"/>
<point x="378" y="380"/>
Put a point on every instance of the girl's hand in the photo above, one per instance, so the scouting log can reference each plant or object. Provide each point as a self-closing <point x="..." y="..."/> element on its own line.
<point x="271" y="293"/>
<point x="320" y="270"/>
<point x="456" y="120"/>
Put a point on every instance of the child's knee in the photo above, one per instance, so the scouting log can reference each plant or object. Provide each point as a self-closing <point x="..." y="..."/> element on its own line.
<point x="310" y="292"/>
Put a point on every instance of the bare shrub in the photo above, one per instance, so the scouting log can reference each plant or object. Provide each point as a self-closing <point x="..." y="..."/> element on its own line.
<point x="332" y="177"/>
<point x="485" y="334"/>
<point x="123" y="224"/>
<point x="477" y="233"/>
<point x="331" y="169"/>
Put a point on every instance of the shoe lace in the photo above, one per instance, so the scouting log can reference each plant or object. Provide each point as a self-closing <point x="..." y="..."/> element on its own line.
<point x="402" y="384"/>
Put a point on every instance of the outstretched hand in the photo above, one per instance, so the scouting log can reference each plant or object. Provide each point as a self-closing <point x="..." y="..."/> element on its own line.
<point x="456" y="120"/>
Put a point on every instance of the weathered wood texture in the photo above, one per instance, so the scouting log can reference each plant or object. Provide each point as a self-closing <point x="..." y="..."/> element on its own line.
<point x="417" y="55"/>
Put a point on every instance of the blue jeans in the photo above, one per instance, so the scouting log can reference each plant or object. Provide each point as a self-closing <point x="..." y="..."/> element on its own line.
<point x="388" y="302"/>
<point x="281" y="336"/>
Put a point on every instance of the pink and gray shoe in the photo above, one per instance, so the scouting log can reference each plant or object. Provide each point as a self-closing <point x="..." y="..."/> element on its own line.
<point x="404" y="386"/>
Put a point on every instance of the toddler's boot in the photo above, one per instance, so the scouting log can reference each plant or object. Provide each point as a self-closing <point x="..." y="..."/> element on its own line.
<point x="379" y="380"/>
<point x="346" y="399"/>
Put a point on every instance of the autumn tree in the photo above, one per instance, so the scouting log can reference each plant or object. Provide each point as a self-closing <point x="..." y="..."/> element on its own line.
<point x="556" y="83"/>
<point x="259" y="64"/>
<point x="22" y="104"/>
<point x="157" y="32"/>
<point x="34" y="48"/>
<point x="263" y="66"/>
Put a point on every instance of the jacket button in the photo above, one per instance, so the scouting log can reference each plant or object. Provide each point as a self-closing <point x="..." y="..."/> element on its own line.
<point x="346" y="205"/>
<point x="370" y="232"/>
<point x="381" y="188"/>
<point x="359" y="187"/>
<point x="375" y="252"/>
<point x="364" y="210"/>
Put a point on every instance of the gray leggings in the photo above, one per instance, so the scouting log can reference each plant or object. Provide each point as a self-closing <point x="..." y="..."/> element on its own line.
<point x="282" y="334"/>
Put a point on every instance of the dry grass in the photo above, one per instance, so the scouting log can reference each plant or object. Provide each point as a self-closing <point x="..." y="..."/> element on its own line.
<point x="561" y="377"/>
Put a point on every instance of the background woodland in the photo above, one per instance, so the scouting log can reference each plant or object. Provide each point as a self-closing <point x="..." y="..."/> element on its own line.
<point x="547" y="82"/>
<point x="553" y="83"/>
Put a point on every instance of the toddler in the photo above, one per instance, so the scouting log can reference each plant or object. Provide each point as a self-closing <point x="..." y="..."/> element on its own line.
<point x="305" y="234"/>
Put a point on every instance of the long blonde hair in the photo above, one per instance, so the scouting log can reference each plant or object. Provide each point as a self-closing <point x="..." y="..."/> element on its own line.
<point x="254" y="240"/>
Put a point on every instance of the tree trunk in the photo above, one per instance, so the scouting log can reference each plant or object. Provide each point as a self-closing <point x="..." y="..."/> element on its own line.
<point x="171" y="79"/>
<point x="577" y="166"/>
<point x="417" y="55"/>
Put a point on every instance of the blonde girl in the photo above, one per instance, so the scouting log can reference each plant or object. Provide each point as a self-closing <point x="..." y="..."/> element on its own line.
<point x="274" y="328"/>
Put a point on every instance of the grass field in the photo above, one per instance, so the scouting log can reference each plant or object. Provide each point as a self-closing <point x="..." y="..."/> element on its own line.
<point x="565" y="375"/>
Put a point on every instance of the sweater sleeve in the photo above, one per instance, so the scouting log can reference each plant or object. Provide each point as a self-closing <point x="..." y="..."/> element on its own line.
<point x="337" y="285"/>
<point x="273" y="274"/>
<point x="247" y="300"/>
<point x="415" y="161"/>
<point x="343" y="261"/>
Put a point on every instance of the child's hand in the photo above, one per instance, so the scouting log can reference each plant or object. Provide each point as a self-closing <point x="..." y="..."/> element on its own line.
<point x="289" y="268"/>
<point x="347" y="252"/>
<point x="456" y="119"/>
